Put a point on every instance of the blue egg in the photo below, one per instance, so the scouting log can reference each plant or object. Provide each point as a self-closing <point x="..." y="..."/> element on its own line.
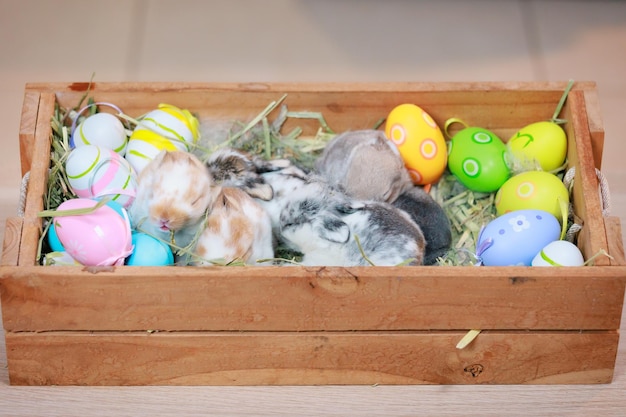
<point x="516" y="237"/>
<point x="149" y="251"/>
<point x="53" y="239"/>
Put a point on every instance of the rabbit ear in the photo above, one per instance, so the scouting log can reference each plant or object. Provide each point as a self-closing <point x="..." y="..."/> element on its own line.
<point x="258" y="188"/>
<point x="333" y="229"/>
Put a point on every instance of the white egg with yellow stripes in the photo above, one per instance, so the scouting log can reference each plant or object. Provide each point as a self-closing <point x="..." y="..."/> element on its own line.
<point x="559" y="253"/>
<point x="94" y="171"/>
<point x="166" y="128"/>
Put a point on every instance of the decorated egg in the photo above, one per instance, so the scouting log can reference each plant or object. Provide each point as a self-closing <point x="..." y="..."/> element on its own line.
<point x="99" y="238"/>
<point x="53" y="239"/>
<point x="102" y="129"/>
<point x="559" y="253"/>
<point x="166" y="128"/>
<point x="516" y="237"/>
<point x="420" y="142"/>
<point x="478" y="159"/>
<point x="539" y="145"/>
<point x="532" y="190"/>
<point x="149" y="251"/>
<point x="94" y="171"/>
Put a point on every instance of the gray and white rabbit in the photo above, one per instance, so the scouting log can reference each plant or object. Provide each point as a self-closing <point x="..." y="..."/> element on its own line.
<point x="231" y="167"/>
<point x="326" y="230"/>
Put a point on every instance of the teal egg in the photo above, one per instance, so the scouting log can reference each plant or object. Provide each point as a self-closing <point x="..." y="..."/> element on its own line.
<point x="149" y="251"/>
<point x="53" y="239"/>
<point x="478" y="159"/>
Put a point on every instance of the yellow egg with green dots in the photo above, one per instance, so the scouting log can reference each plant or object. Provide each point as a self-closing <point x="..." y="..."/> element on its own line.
<point x="539" y="145"/>
<point x="419" y="141"/>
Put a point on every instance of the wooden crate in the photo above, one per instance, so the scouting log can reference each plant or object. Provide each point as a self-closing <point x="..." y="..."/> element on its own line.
<point x="317" y="325"/>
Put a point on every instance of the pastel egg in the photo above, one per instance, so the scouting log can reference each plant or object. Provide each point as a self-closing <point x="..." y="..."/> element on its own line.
<point x="59" y="258"/>
<point x="559" y="253"/>
<point x="516" y="237"/>
<point x="532" y="190"/>
<point x="478" y="159"/>
<point x="102" y="129"/>
<point x="94" y="171"/>
<point x="420" y="142"/>
<point x="99" y="238"/>
<point x="53" y="239"/>
<point x="539" y="145"/>
<point x="149" y="251"/>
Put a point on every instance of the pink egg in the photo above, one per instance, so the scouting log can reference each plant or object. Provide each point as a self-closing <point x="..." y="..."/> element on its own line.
<point x="99" y="238"/>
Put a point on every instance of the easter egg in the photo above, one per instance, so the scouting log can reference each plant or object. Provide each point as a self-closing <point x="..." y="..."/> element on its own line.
<point x="478" y="159"/>
<point x="53" y="239"/>
<point x="420" y="142"/>
<point x="539" y="145"/>
<point x="149" y="251"/>
<point x="516" y="237"/>
<point x="559" y="253"/>
<point x="102" y="129"/>
<point x="166" y="128"/>
<point x="94" y="171"/>
<point x="532" y="190"/>
<point x="99" y="238"/>
<point x="59" y="258"/>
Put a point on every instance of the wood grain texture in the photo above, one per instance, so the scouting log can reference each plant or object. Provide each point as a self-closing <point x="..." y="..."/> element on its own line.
<point x="28" y="123"/>
<point x="299" y="298"/>
<point x="11" y="242"/>
<point x="309" y="358"/>
<point x="37" y="187"/>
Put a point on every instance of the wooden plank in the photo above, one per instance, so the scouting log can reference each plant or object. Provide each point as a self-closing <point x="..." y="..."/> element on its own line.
<point x="596" y="124"/>
<point x="616" y="242"/>
<point x="65" y="358"/>
<point x="586" y="199"/>
<point x="28" y="123"/>
<point x="300" y="298"/>
<point x="11" y="243"/>
<point x="37" y="185"/>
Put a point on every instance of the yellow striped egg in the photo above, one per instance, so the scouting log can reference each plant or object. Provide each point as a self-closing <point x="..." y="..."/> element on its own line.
<point x="94" y="172"/>
<point x="166" y="128"/>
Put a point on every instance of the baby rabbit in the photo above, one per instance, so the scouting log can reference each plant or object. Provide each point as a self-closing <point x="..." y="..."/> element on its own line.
<point x="325" y="232"/>
<point x="365" y="165"/>
<point x="431" y="218"/>
<point x="237" y="228"/>
<point x="174" y="192"/>
<point x="235" y="168"/>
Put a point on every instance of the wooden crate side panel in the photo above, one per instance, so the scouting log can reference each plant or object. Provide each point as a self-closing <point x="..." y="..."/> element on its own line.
<point x="298" y="298"/>
<point x="344" y="106"/>
<point x="309" y="358"/>
<point x="585" y="194"/>
<point x="596" y="124"/>
<point x="40" y="163"/>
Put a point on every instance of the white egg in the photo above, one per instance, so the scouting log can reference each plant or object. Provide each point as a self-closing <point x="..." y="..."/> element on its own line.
<point x="101" y="129"/>
<point x="559" y="253"/>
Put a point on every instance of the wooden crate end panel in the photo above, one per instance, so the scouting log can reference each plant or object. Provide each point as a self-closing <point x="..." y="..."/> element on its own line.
<point x="309" y="359"/>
